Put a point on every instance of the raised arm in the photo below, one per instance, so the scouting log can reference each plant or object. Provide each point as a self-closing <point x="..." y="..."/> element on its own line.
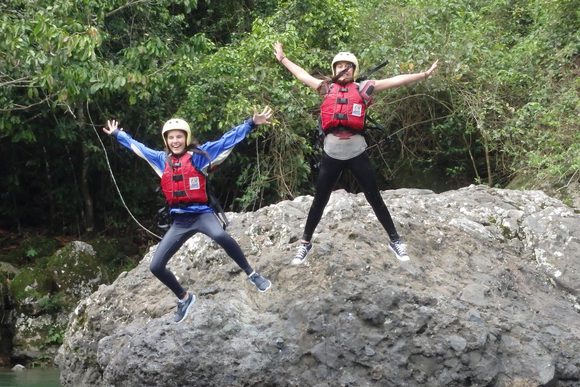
<point x="404" y="79"/>
<point x="220" y="149"/>
<point x="155" y="158"/>
<point x="298" y="72"/>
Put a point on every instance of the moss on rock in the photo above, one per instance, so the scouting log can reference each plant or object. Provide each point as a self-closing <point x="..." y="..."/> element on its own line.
<point x="31" y="284"/>
<point x="75" y="269"/>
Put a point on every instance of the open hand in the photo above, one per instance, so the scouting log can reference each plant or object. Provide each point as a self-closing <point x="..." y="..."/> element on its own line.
<point x="432" y="69"/>
<point x="278" y="51"/>
<point x="263" y="117"/>
<point x="112" y="125"/>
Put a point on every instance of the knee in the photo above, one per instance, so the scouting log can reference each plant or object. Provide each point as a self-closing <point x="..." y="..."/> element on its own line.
<point x="156" y="268"/>
<point x="221" y="237"/>
<point x="321" y="199"/>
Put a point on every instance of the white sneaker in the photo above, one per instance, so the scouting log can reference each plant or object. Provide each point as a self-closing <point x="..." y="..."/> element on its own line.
<point x="300" y="256"/>
<point x="400" y="249"/>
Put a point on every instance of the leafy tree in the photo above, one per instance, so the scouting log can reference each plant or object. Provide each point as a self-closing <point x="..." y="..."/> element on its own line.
<point x="245" y="73"/>
<point x="63" y="61"/>
<point x="502" y="108"/>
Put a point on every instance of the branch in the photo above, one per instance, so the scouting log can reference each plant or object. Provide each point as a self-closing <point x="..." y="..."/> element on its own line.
<point x="130" y="4"/>
<point x="20" y="82"/>
<point x="25" y="107"/>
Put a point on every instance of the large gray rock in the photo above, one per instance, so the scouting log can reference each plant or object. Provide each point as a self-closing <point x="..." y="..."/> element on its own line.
<point x="489" y="297"/>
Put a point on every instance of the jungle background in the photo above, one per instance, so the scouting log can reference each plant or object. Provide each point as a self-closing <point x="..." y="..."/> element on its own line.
<point x="501" y="110"/>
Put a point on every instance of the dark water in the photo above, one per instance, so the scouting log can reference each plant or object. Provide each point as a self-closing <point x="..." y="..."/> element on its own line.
<point x="33" y="377"/>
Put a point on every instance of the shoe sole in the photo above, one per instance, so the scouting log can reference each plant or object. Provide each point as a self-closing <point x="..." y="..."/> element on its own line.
<point x="188" y="308"/>
<point x="269" y="286"/>
<point x="403" y="258"/>
<point x="298" y="262"/>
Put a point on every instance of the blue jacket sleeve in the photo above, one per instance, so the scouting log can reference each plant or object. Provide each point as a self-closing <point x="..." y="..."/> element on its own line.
<point x="155" y="158"/>
<point x="220" y="149"/>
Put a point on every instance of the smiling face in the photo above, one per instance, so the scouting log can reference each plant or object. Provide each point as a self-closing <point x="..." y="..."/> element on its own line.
<point x="348" y="75"/>
<point x="176" y="141"/>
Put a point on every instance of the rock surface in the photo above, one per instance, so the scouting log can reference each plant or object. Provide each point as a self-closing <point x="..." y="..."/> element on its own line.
<point x="35" y="322"/>
<point x="489" y="297"/>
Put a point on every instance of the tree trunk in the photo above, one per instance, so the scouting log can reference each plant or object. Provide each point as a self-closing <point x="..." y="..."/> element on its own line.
<point x="89" y="218"/>
<point x="488" y="164"/>
<point x="49" y="188"/>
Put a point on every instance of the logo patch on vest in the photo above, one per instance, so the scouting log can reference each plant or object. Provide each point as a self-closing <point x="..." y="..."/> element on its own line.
<point x="356" y="109"/>
<point x="194" y="183"/>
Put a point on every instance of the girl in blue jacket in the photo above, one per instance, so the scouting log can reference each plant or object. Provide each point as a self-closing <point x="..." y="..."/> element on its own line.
<point x="183" y="169"/>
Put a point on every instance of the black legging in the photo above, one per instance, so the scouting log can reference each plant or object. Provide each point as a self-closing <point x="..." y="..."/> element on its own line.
<point x="182" y="228"/>
<point x="329" y="173"/>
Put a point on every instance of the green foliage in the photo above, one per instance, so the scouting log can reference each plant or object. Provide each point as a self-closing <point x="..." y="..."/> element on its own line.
<point x="27" y="248"/>
<point x="272" y="166"/>
<point x="59" y="62"/>
<point x="114" y="255"/>
<point x="498" y="60"/>
<point x="31" y="253"/>
<point x="503" y="103"/>
<point x="55" y="336"/>
<point x="51" y="304"/>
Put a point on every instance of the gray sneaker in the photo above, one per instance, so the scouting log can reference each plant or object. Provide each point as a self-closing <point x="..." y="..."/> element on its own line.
<point x="300" y="256"/>
<point x="260" y="282"/>
<point x="400" y="249"/>
<point x="183" y="308"/>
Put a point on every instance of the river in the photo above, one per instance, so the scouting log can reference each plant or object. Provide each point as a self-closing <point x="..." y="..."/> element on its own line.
<point x="33" y="377"/>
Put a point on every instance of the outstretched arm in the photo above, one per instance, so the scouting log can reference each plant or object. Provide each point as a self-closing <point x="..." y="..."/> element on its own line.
<point x="220" y="149"/>
<point x="300" y="74"/>
<point x="155" y="158"/>
<point x="404" y="79"/>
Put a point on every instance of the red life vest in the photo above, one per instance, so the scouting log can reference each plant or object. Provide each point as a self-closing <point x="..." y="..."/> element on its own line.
<point x="182" y="183"/>
<point x="343" y="106"/>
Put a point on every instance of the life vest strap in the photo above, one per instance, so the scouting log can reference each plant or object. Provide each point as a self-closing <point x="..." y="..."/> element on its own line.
<point x="177" y="177"/>
<point x="340" y="116"/>
<point x="342" y="101"/>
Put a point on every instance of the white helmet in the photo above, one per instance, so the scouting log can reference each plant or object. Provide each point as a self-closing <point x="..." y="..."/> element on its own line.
<point x="177" y="124"/>
<point x="345" y="57"/>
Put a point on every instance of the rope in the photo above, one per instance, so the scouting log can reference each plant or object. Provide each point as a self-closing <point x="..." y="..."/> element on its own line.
<point x="113" y="177"/>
